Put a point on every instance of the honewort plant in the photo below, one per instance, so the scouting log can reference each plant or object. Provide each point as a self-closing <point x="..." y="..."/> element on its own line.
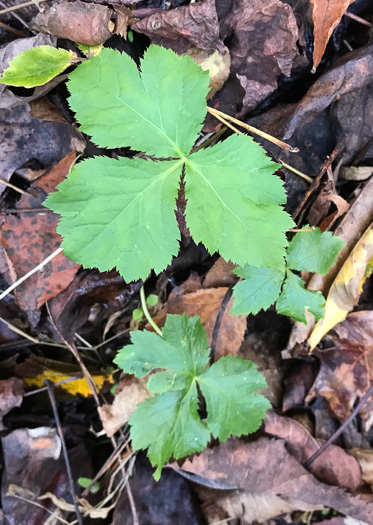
<point x="121" y="213"/>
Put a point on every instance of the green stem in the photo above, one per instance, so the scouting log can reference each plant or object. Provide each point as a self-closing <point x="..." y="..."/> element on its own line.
<point x="144" y="307"/>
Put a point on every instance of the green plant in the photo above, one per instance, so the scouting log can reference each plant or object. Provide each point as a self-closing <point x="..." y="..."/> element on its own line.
<point x="121" y="212"/>
<point x="309" y="251"/>
<point x="169" y="424"/>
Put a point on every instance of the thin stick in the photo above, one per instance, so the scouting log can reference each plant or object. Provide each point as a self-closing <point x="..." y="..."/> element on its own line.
<point x="333" y="437"/>
<point x="9" y="185"/>
<point x="144" y="306"/>
<point x="358" y="19"/>
<point x="31" y="272"/>
<point x="135" y="518"/>
<point x="21" y="34"/>
<point x="52" y="399"/>
<point x="19" y="6"/>
<point x="18" y="331"/>
<point x="45" y="388"/>
<point x="218" y="321"/>
<point x="262" y="134"/>
<point x="228" y="124"/>
<point x="303" y="175"/>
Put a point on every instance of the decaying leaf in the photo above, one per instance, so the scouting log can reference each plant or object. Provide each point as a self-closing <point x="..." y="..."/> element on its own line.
<point x="80" y="22"/>
<point x="365" y="459"/>
<point x="129" y="394"/>
<point x="206" y="302"/>
<point x="326" y="16"/>
<point x="194" y="25"/>
<point x="265" y="480"/>
<point x="346" y="367"/>
<point x="215" y="63"/>
<point x="36" y="370"/>
<point x="346" y="289"/>
<point x="11" y="396"/>
<point x="335" y="466"/>
<point x="29" y="238"/>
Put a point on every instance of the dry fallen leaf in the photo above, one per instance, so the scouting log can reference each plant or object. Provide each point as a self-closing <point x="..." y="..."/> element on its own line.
<point x="326" y="16"/>
<point x="347" y="287"/>
<point x="130" y="392"/>
<point x="215" y="63"/>
<point x="80" y="22"/>
<point x="11" y="396"/>
<point x="29" y="238"/>
<point x="365" y="460"/>
<point x="261" y="479"/>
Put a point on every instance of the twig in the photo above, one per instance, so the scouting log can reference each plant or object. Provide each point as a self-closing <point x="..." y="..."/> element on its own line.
<point x="21" y="34"/>
<point x="44" y="388"/>
<point x="144" y="307"/>
<point x="19" y="6"/>
<point x="297" y="172"/>
<point x="15" y="188"/>
<point x="358" y="19"/>
<point x="262" y="134"/>
<point x="135" y="518"/>
<point x="19" y="18"/>
<point x="31" y="272"/>
<point x="52" y="399"/>
<point x="19" y="331"/>
<point x="334" y="436"/>
<point x="218" y="321"/>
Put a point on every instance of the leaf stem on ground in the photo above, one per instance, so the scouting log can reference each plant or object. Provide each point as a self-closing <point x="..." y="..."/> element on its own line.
<point x="144" y="307"/>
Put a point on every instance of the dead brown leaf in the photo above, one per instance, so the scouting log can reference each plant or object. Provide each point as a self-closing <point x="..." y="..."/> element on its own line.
<point x="326" y="16"/>
<point x="24" y="138"/>
<point x="78" y="21"/>
<point x="29" y="238"/>
<point x="365" y="460"/>
<point x="130" y="392"/>
<point x="194" y="25"/>
<point x="266" y="481"/>
<point x="11" y="396"/>
<point x="334" y="466"/>
<point x="206" y="303"/>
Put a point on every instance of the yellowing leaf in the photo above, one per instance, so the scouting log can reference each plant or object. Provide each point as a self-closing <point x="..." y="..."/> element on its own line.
<point x="346" y="289"/>
<point x="36" y="370"/>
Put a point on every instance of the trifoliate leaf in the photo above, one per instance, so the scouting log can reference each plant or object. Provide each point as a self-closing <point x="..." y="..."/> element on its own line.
<point x="313" y="251"/>
<point x="259" y="289"/>
<point x="119" y="213"/>
<point x="230" y="390"/>
<point x="168" y="424"/>
<point x="159" y="112"/>
<point x="37" y="66"/>
<point x="233" y="203"/>
<point x="294" y="299"/>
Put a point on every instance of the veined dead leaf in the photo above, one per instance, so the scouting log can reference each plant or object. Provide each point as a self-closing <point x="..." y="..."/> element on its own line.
<point x="346" y="289"/>
<point x="326" y="16"/>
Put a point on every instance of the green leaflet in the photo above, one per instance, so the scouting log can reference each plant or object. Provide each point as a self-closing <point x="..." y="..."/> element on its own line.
<point x="37" y="66"/>
<point x="313" y="251"/>
<point x="168" y="424"/>
<point x="159" y="112"/>
<point x="259" y="289"/>
<point x="294" y="299"/>
<point x="119" y="213"/>
<point x="232" y="185"/>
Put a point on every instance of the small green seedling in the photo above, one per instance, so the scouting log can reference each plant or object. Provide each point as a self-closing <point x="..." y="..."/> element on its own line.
<point x="85" y="482"/>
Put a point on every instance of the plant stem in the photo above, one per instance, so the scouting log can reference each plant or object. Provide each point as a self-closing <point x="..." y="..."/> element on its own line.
<point x="144" y="307"/>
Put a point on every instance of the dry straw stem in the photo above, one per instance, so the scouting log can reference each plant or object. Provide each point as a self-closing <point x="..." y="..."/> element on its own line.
<point x="280" y="143"/>
<point x="19" y="6"/>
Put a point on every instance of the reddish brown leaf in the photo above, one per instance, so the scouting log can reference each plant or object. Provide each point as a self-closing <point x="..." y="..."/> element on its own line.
<point x="206" y="303"/>
<point x="270" y="481"/>
<point x="334" y="466"/>
<point x="29" y="238"/>
<point x="326" y="16"/>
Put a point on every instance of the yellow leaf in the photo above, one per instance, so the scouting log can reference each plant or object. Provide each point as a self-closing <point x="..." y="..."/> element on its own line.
<point x="345" y="291"/>
<point x="36" y="370"/>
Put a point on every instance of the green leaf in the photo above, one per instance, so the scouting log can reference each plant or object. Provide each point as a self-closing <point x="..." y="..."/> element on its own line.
<point x="294" y="299"/>
<point x="313" y="251"/>
<point x="168" y="424"/>
<point x="37" y="66"/>
<point x="137" y="314"/>
<point x="119" y="213"/>
<point x="230" y="390"/>
<point x="159" y="112"/>
<point x="152" y="300"/>
<point x="233" y="203"/>
<point x="259" y="289"/>
<point x="90" y="51"/>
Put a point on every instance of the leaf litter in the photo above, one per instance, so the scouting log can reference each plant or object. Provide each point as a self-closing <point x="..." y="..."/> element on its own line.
<point x="262" y="54"/>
